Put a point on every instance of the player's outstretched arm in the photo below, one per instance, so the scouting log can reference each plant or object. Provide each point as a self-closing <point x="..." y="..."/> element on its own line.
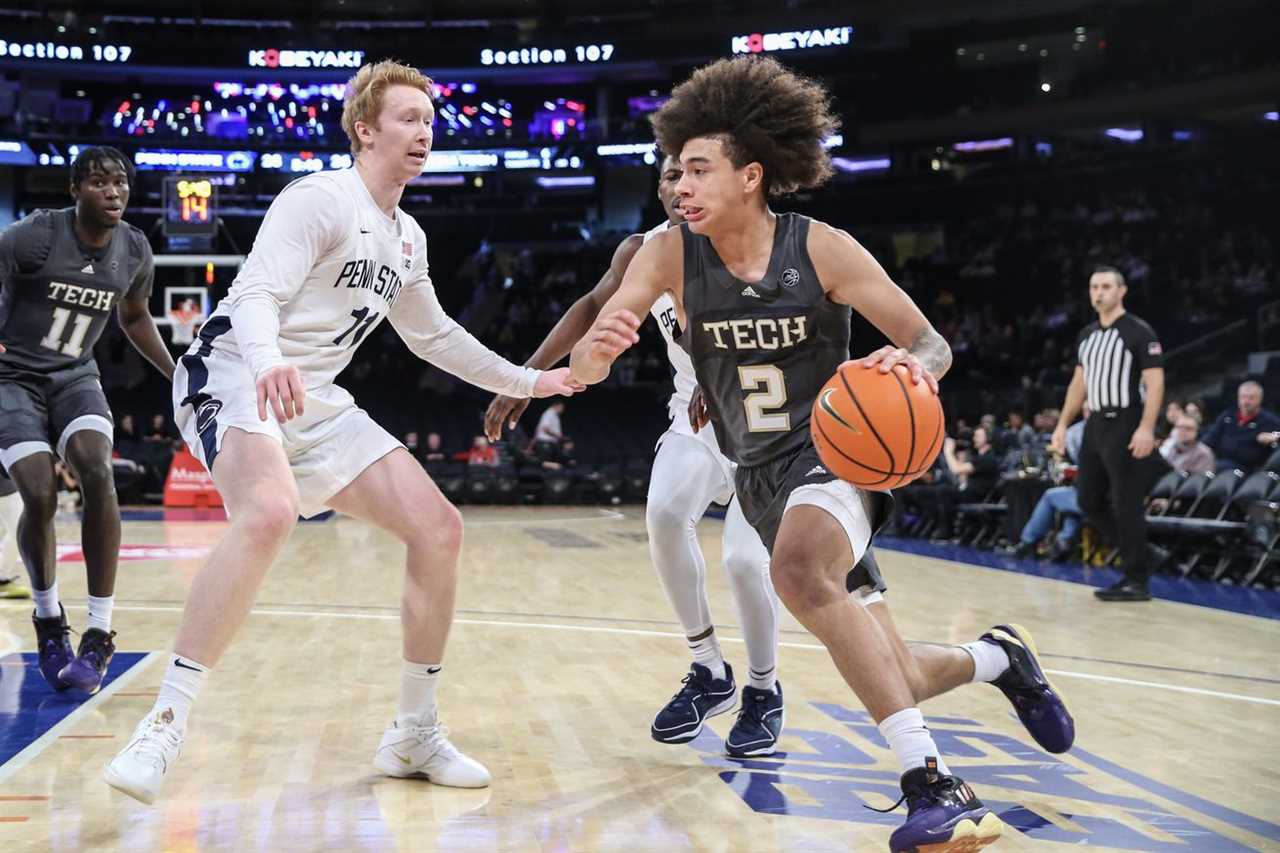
<point x="853" y="277"/>
<point x="656" y="268"/>
<point x="140" y="328"/>
<point x="558" y="343"/>
<point x="434" y="336"/>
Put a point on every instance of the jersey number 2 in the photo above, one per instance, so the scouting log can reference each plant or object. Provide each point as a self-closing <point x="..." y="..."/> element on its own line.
<point x="769" y="391"/>
<point x="74" y="346"/>
<point x="363" y="321"/>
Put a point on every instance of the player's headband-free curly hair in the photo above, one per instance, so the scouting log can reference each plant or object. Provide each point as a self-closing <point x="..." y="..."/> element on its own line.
<point x="762" y="112"/>
<point x="95" y="159"/>
<point x="363" y="99"/>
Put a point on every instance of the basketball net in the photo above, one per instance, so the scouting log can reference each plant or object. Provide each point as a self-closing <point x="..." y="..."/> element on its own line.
<point x="184" y="325"/>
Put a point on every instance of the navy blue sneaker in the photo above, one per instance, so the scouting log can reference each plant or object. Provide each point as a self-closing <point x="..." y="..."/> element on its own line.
<point x="760" y="721"/>
<point x="54" y="645"/>
<point x="701" y="698"/>
<point x="1040" y="708"/>
<point x="943" y="815"/>
<point x="86" y="671"/>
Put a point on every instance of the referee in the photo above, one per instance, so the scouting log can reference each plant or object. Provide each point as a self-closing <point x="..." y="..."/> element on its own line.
<point x="1119" y="371"/>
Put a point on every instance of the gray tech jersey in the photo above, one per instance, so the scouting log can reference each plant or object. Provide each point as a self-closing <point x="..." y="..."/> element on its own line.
<point x="761" y="350"/>
<point x="57" y="294"/>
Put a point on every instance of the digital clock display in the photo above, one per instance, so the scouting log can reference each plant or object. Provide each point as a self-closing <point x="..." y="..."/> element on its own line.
<point x="190" y="206"/>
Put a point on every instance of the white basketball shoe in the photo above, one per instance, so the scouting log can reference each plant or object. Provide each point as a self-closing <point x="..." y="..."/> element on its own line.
<point x="421" y="748"/>
<point x="138" y="769"/>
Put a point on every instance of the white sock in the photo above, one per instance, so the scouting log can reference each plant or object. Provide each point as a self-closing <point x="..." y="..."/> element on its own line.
<point x="706" y="651"/>
<point x="990" y="660"/>
<point x="182" y="682"/>
<point x="100" y="612"/>
<point x="910" y="740"/>
<point x="47" y="602"/>
<point x="418" y="690"/>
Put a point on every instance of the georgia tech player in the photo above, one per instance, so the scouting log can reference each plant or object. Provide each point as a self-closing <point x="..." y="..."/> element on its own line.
<point x="334" y="257"/>
<point x="689" y="472"/>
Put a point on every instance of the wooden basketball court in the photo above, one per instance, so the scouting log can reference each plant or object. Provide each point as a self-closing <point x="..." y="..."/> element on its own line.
<point x="563" y="650"/>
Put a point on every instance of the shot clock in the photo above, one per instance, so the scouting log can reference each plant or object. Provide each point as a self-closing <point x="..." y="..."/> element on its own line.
<point x="190" y="206"/>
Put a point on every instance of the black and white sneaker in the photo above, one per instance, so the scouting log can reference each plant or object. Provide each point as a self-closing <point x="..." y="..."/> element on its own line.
<point x="702" y="697"/>
<point x="760" y="721"/>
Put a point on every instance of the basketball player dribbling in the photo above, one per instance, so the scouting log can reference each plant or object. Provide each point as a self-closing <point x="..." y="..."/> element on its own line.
<point x="689" y="473"/>
<point x="61" y="273"/>
<point x="765" y="302"/>
<point x="255" y="400"/>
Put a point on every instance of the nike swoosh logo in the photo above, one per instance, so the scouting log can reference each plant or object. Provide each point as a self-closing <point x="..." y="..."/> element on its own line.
<point x="179" y="663"/>
<point x="362" y="231"/>
<point x="825" y="403"/>
<point x="403" y="760"/>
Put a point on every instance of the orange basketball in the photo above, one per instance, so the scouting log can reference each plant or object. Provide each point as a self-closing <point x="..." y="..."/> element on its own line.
<point x="876" y="430"/>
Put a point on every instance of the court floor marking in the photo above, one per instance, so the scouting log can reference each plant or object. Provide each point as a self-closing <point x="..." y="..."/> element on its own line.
<point x="37" y="746"/>
<point x="638" y="632"/>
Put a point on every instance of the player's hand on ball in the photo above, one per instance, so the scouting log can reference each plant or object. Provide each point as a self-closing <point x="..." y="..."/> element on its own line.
<point x="282" y="387"/>
<point x="698" y="414"/>
<point x="612" y="335"/>
<point x="887" y="356"/>
<point x="556" y="383"/>
<point x="503" y="408"/>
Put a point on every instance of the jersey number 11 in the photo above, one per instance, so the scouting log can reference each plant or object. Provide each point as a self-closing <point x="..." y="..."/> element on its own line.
<point x="75" y="343"/>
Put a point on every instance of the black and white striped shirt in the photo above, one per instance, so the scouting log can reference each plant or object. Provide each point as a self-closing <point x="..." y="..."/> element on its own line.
<point x="1113" y="358"/>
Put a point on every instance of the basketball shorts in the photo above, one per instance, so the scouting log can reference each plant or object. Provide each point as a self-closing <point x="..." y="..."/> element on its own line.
<point x="40" y="411"/>
<point x="722" y="491"/>
<point x="767" y="491"/>
<point x="328" y="446"/>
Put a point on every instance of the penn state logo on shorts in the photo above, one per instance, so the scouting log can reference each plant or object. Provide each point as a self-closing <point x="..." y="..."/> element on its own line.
<point x="790" y="277"/>
<point x="206" y="414"/>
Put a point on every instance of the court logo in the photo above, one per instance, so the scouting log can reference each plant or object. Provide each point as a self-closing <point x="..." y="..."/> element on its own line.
<point x="790" y="277"/>
<point x="1095" y="802"/>
<point x="206" y="414"/>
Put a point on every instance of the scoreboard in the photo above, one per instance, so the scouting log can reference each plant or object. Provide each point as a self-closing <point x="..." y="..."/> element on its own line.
<point x="190" y="206"/>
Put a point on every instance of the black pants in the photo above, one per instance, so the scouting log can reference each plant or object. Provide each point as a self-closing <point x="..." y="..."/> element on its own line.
<point x="1111" y="485"/>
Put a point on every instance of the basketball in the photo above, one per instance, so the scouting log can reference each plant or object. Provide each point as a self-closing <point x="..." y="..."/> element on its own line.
<point x="876" y="430"/>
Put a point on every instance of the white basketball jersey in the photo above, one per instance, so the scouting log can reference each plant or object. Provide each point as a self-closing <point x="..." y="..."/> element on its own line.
<point x="347" y="263"/>
<point x="664" y="311"/>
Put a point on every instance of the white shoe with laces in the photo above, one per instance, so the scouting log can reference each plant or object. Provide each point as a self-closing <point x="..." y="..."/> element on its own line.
<point x="421" y="748"/>
<point x="138" y="769"/>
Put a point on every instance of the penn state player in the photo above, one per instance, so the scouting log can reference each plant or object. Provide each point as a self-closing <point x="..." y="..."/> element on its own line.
<point x="765" y="301"/>
<point x="255" y="399"/>
<point x="689" y="472"/>
<point x="61" y="274"/>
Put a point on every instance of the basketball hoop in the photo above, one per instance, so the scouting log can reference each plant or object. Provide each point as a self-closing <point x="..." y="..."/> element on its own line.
<point x="184" y="321"/>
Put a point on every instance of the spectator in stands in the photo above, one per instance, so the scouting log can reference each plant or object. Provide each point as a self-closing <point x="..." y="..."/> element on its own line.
<point x="1245" y="436"/>
<point x="977" y="474"/>
<point x="1173" y="410"/>
<point x="1018" y="434"/>
<point x="413" y="444"/>
<point x="482" y="453"/>
<point x="1057" y="502"/>
<point x="434" y="451"/>
<point x="1187" y="454"/>
<point x="549" y="428"/>
<point x="126" y="441"/>
<point x="161" y="431"/>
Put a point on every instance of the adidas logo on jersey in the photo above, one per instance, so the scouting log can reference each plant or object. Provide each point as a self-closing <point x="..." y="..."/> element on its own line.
<point x="88" y="268"/>
<point x="750" y="291"/>
<point x="816" y="470"/>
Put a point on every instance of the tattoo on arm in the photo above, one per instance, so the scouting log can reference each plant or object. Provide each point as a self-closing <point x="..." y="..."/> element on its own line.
<point x="933" y="351"/>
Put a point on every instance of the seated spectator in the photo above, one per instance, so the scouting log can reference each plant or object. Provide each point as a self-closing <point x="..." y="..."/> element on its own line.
<point x="1059" y="501"/>
<point x="549" y="428"/>
<point x="125" y="441"/>
<point x="1245" y="436"/>
<point x="161" y="431"/>
<point x="1187" y="454"/>
<point x="977" y="474"/>
<point x="412" y="445"/>
<point x="433" y="452"/>
<point x="482" y="453"/>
